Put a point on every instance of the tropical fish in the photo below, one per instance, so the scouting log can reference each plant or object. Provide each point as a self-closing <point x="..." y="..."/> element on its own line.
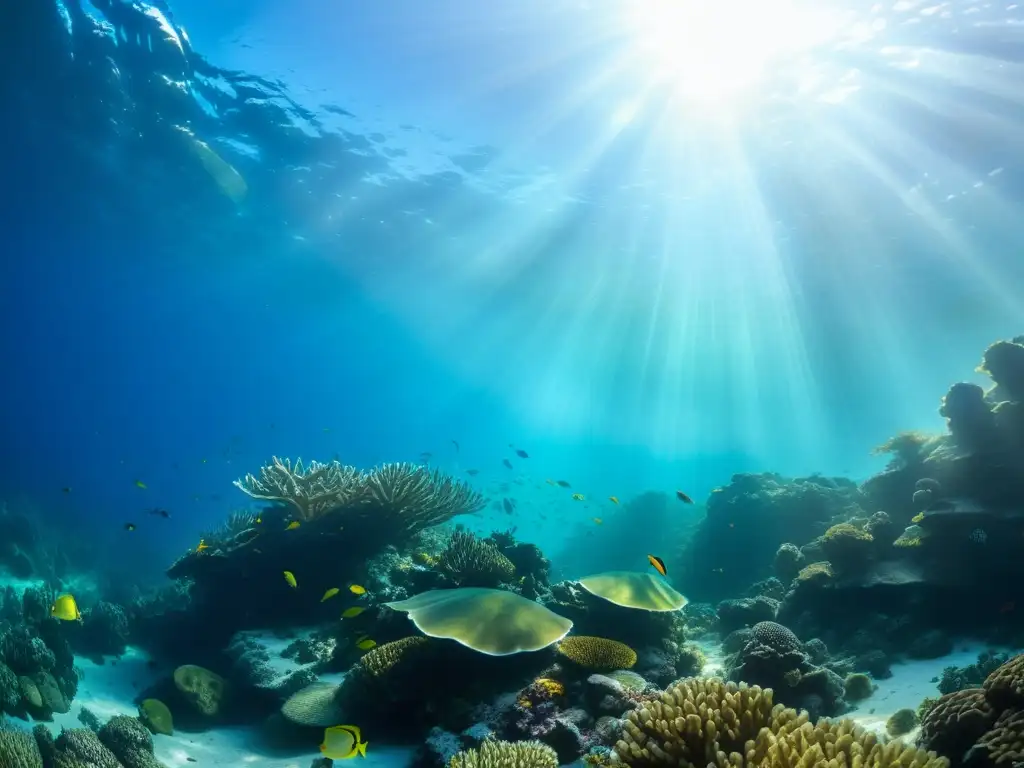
<point x="65" y="490"/>
<point x="351" y="613"/>
<point x="522" y="454"/>
<point x="683" y="497"/>
<point x="577" y="497"/>
<point x="290" y="578"/>
<point x="129" y="526"/>
<point x="507" y="463"/>
<point x="563" y="483"/>
<point x="140" y="484"/>
<point x="357" y="589"/>
<point x="456" y="444"/>
<point x="658" y="563"/>
<point x="329" y="594"/>
<point x="293" y="525"/>
<point x="342" y="742"/>
<point x="366" y="644"/>
<point x="258" y="520"/>
<point x="472" y="472"/>
<point x="202" y="545"/>
<point x="508" y="505"/>
<point x="160" y="513"/>
<point x="613" y="499"/>
<point x="65" y="608"/>
<point x="597" y="520"/>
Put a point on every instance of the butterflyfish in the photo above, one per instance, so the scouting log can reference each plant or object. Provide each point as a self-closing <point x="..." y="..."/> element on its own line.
<point x="658" y="563"/>
<point x="613" y="499"/>
<point x="351" y="613"/>
<point x="293" y="525"/>
<point x="367" y="644"/>
<point x="342" y="742"/>
<point x="577" y="497"/>
<point x="356" y="589"/>
<point x="290" y="578"/>
<point x="683" y="497"/>
<point x="65" y="608"/>
<point x="329" y="594"/>
<point x="597" y="520"/>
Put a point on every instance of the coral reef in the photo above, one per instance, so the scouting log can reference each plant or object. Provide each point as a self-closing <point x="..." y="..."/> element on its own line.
<point x="469" y="562"/>
<point x="504" y="754"/>
<point x="597" y="653"/>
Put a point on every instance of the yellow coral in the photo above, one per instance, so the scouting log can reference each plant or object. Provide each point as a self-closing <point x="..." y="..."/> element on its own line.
<point x="384" y="658"/>
<point x="816" y="573"/>
<point x="506" y="754"/>
<point x="551" y="687"/>
<point x="597" y="652"/>
<point x="911" y="537"/>
<point x="917" y="518"/>
<point x="708" y="722"/>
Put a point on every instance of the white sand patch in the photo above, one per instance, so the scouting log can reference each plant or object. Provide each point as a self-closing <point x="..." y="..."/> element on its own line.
<point x="109" y="689"/>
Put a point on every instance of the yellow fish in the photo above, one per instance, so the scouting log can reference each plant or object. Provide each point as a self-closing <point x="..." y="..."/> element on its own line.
<point x="598" y="520"/>
<point x="367" y="644"/>
<point x="290" y="578"/>
<point x="329" y="594"/>
<point x="293" y="525"/>
<point x="351" y="613"/>
<point x="613" y="499"/>
<point x="342" y="742"/>
<point x="65" y="608"/>
<point x="140" y="484"/>
<point x="202" y="545"/>
<point x="577" y="497"/>
<point x="355" y="589"/>
<point x="259" y="520"/>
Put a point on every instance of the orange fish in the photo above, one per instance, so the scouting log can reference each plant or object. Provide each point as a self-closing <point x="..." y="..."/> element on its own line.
<point x="658" y="563"/>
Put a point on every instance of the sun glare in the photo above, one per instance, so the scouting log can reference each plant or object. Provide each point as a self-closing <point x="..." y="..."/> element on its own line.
<point x="714" y="50"/>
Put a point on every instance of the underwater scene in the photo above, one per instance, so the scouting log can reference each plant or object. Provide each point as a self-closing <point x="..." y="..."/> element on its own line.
<point x="630" y="383"/>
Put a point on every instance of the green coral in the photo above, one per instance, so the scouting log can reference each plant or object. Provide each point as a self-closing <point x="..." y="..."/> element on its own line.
<point x="155" y="715"/>
<point x="858" y="687"/>
<point x="506" y="754"/>
<point x="470" y="562"/>
<point x="597" y="653"/>
<point x="845" y="545"/>
<point x="817" y="574"/>
<point x="911" y="537"/>
<point x="18" y="750"/>
<point x="901" y="723"/>
<point x="129" y="740"/>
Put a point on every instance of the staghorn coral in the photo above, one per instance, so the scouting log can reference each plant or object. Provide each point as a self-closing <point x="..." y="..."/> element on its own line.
<point x="470" y="562"/>
<point x="312" y="490"/>
<point x="413" y="498"/>
<point x="384" y="658"/>
<point x="728" y="725"/>
<point x="506" y="754"/>
<point x="597" y="653"/>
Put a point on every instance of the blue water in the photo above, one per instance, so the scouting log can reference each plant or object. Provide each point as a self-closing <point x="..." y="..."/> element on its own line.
<point x="485" y="224"/>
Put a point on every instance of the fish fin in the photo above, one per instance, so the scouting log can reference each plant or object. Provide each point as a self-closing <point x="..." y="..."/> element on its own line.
<point x="361" y="748"/>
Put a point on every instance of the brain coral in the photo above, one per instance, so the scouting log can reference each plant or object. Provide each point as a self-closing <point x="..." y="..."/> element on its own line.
<point x="597" y="653"/>
<point x="506" y="754"/>
<point x="203" y="689"/>
<point x="1005" y="685"/>
<point x="711" y="723"/>
<point x="776" y="636"/>
<point x="1004" y="743"/>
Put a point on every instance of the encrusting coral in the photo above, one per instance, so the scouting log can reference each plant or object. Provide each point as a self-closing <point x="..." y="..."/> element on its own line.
<point x="707" y="722"/>
<point x="597" y="653"/>
<point x="506" y="754"/>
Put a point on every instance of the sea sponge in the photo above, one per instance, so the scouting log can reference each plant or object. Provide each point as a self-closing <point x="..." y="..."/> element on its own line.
<point x="597" y="653"/>
<point x="491" y="621"/>
<point x="1004" y="686"/>
<point x="857" y="687"/>
<point x="129" y="741"/>
<point x="382" y="659"/>
<point x="506" y="754"/>
<point x="901" y="722"/>
<point x="632" y="589"/>
<point x="18" y="750"/>
<point x="955" y="721"/>
<point x="314" y="705"/>
<point x="156" y="716"/>
<point x="201" y="687"/>
<point x="470" y="562"/>
<point x="1004" y="742"/>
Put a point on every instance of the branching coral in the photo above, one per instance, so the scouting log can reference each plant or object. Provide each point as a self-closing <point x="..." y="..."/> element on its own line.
<point x="18" y="750"/>
<point x="506" y="754"/>
<point x="311" y="490"/>
<point x="711" y="723"/>
<point x="412" y="497"/>
<point x="470" y="562"/>
<point x="597" y="653"/>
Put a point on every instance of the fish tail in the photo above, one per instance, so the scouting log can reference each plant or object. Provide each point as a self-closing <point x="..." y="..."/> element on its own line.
<point x="361" y="748"/>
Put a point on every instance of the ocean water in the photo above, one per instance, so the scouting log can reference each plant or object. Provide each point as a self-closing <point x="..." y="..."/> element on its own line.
<point x="577" y="258"/>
